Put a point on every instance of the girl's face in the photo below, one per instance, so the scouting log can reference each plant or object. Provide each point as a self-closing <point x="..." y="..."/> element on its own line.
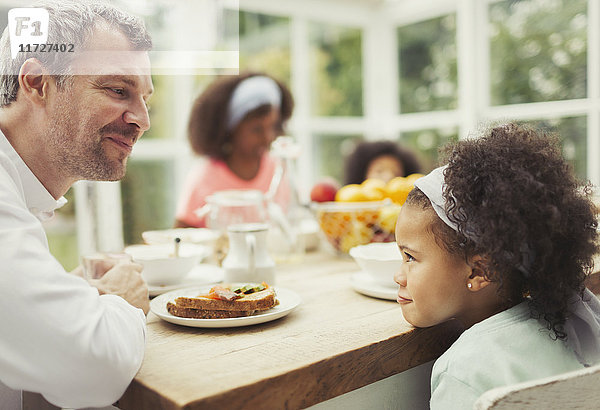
<point x="385" y="167"/>
<point x="253" y="136"/>
<point x="433" y="282"/>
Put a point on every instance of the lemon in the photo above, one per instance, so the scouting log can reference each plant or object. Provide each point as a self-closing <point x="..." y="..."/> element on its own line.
<point x="413" y="177"/>
<point x="373" y="183"/>
<point x="398" y="188"/>
<point x="350" y="193"/>
<point x="388" y="216"/>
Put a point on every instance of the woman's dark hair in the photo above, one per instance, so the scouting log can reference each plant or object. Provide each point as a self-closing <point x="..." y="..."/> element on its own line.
<point x="364" y="152"/>
<point x="517" y="202"/>
<point x="207" y="127"/>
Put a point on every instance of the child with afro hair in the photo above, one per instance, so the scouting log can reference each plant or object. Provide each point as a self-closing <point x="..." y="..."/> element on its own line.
<point x="379" y="159"/>
<point x="501" y="239"/>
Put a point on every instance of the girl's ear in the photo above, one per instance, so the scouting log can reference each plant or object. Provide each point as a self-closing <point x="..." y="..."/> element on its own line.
<point x="479" y="266"/>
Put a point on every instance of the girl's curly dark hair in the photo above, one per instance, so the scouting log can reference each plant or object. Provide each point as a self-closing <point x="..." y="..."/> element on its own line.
<point x="517" y="201"/>
<point x="207" y="127"/>
<point x="364" y="152"/>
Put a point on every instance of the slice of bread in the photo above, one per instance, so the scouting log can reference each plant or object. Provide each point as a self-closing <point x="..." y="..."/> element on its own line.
<point x="265" y="299"/>
<point x="205" y="314"/>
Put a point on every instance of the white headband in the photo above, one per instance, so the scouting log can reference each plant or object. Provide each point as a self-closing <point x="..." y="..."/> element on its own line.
<point x="251" y="93"/>
<point x="433" y="185"/>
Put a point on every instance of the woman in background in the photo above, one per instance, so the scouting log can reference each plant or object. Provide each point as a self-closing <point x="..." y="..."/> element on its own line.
<point x="233" y="123"/>
<point x="379" y="159"/>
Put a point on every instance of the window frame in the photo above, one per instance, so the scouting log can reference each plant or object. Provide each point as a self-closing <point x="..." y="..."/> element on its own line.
<point x="381" y="118"/>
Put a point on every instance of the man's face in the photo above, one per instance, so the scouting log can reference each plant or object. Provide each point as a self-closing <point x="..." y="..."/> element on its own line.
<point x="95" y="121"/>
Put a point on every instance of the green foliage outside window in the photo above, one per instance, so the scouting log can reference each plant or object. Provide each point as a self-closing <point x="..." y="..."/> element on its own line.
<point x="572" y="131"/>
<point x="336" y="71"/>
<point x="264" y="43"/>
<point x="538" y="50"/>
<point x="427" y="65"/>
<point x="329" y="153"/>
<point x="61" y="232"/>
<point x="426" y="144"/>
<point x="147" y="193"/>
<point x="160" y="107"/>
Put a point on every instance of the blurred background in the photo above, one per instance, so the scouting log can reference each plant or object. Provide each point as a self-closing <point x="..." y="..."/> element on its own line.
<point x="421" y="73"/>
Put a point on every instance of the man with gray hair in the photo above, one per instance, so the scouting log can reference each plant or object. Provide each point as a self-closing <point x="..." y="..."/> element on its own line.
<point x="67" y="116"/>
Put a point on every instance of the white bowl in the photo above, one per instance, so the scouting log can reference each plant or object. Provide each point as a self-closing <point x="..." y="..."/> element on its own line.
<point x="380" y="260"/>
<point x="202" y="236"/>
<point x="161" y="267"/>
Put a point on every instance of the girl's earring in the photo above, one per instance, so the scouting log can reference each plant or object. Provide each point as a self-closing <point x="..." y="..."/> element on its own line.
<point x="469" y="285"/>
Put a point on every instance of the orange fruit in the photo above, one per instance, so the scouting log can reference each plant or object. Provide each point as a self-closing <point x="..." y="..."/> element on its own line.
<point x="388" y="216"/>
<point x="374" y="194"/>
<point x="398" y="189"/>
<point x="413" y="177"/>
<point x="374" y="189"/>
<point x="373" y="183"/>
<point x="350" y="193"/>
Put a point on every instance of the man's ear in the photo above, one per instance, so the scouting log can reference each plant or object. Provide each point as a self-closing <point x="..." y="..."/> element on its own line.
<point x="33" y="81"/>
<point x="479" y="266"/>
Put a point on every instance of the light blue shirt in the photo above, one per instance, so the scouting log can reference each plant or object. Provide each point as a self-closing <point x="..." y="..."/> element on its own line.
<point x="507" y="348"/>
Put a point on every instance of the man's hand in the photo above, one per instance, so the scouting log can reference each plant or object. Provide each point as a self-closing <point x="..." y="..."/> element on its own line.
<point x="125" y="280"/>
<point x="78" y="271"/>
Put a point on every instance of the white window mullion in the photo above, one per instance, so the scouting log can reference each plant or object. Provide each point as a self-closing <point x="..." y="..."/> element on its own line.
<point x="425" y="120"/>
<point x="300" y="78"/>
<point x="380" y="76"/>
<point x="99" y="217"/>
<point x="538" y="110"/>
<point x="482" y="58"/>
<point x="469" y="81"/>
<point x="593" y="92"/>
<point x="183" y="89"/>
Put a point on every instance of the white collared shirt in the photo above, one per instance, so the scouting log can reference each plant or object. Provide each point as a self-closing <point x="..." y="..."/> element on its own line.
<point x="58" y="337"/>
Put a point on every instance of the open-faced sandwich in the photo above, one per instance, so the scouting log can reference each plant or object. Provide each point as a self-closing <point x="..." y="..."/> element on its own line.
<point x="225" y="301"/>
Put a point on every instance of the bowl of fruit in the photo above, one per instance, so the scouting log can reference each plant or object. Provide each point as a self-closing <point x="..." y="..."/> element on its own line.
<point x="358" y="214"/>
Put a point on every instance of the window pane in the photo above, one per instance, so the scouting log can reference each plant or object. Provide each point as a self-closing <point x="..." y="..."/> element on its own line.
<point x="147" y="194"/>
<point x="427" y="142"/>
<point x="538" y="50"/>
<point x="336" y="70"/>
<point x="573" y="134"/>
<point x="265" y="44"/>
<point x="62" y="234"/>
<point x="160" y="108"/>
<point x="329" y="154"/>
<point x="427" y="65"/>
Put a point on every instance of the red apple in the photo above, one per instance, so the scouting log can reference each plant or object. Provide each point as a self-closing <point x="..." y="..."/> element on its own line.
<point x="324" y="191"/>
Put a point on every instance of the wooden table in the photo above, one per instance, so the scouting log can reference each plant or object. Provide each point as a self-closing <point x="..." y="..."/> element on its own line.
<point x="336" y="341"/>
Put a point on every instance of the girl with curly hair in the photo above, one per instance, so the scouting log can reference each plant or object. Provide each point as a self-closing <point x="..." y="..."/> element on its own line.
<point x="379" y="159"/>
<point x="501" y="239"/>
<point x="232" y="125"/>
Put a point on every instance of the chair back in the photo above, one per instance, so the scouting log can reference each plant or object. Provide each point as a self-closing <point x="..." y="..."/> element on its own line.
<point x="579" y="389"/>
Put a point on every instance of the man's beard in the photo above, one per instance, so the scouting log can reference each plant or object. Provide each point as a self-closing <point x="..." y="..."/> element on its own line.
<point x="81" y="152"/>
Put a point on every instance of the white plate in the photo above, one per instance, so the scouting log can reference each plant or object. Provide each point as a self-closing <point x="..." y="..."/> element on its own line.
<point x="288" y="300"/>
<point x="363" y="283"/>
<point x="200" y="274"/>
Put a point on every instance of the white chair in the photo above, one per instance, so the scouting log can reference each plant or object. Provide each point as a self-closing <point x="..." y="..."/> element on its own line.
<point x="579" y="389"/>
